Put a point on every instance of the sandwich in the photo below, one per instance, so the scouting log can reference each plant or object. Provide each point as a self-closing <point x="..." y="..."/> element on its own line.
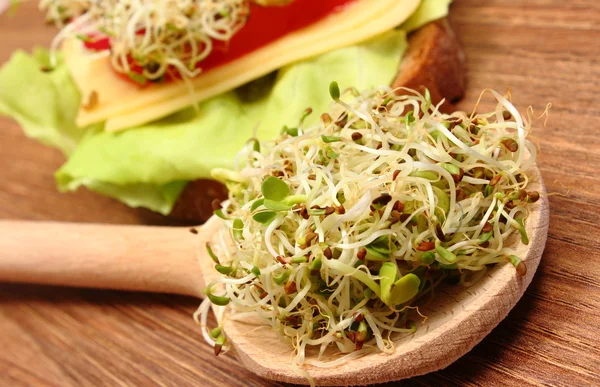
<point x="146" y="98"/>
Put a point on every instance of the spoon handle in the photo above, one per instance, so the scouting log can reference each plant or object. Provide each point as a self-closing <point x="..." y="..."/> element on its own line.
<point x="139" y="258"/>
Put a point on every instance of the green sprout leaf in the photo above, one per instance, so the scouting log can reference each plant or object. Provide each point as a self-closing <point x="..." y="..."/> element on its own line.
<point x="307" y="112"/>
<point x="282" y="278"/>
<point x="212" y="254"/>
<point x="485" y="237"/>
<point x="226" y="270"/>
<point x="108" y="32"/>
<point x="427" y="258"/>
<point x="443" y="199"/>
<point x="276" y="205"/>
<point x="334" y="91"/>
<point x="522" y="231"/>
<point x="137" y="78"/>
<point x="216" y="332"/>
<point x="290" y="131"/>
<point x="375" y="254"/>
<point x="83" y="38"/>
<point x="421" y="272"/>
<point x="427" y="96"/>
<point x="217" y="300"/>
<point x="315" y="266"/>
<point x="220" y="214"/>
<point x="448" y="256"/>
<point x="331" y="154"/>
<point x="388" y="274"/>
<point x="379" y="249"/>
<point x="329" y="139"/>
<point x="488" y="190"/>
<point x="409" y="118"/>
<point x="255" y="144"/>
<point x="264" y="217"/>
<point x="238" y="226"/>
<point x="257" y="203"/>
<point x="404" y="289"/>
<point x="451" y="168"/>
<point x="429" y="175"/>
<point x="274" y="189"/>
<point x="294" y="199"/>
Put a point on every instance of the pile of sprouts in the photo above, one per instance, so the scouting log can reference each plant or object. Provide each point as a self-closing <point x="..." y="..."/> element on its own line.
<point x="150" y="39"/>
<point x="60" y="12"/>
<point x="334" y="234"/>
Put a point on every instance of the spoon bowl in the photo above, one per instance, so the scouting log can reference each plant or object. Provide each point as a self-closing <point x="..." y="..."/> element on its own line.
<point x="173" y="260"/>
<point x="457" y="320"/>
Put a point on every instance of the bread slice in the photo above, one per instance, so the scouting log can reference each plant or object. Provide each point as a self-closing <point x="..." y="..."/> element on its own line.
<point x="194" y="205"/>
<point x="434" y="60"/>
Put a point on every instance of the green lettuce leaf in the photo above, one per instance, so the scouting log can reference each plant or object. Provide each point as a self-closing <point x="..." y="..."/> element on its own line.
<point x="428" y="11"/>
<point x="43" y="103"/>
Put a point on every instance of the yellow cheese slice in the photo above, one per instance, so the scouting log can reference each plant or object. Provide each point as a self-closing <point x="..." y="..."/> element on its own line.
<point x="122" y="104"/>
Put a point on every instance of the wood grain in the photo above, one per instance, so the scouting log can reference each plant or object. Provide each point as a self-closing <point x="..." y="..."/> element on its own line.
<point x="122" y="257"/>
<point x="544" y="50"/>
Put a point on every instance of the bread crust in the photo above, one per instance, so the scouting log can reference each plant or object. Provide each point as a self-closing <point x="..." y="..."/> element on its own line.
<point x="194" y="205"/>
<point x="434" y="60"/>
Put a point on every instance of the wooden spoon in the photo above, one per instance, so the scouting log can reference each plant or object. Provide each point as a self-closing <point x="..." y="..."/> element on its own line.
<point x="173" y="260"/>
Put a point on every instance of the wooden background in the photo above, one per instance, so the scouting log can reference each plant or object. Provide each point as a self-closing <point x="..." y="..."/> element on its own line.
<point x="544" y="50"/>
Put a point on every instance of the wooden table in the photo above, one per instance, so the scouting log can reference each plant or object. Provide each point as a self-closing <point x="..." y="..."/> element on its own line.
<point x="544" y="50"/>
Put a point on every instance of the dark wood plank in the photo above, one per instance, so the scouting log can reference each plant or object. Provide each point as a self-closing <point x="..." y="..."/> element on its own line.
<point x="544" y="50"/>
